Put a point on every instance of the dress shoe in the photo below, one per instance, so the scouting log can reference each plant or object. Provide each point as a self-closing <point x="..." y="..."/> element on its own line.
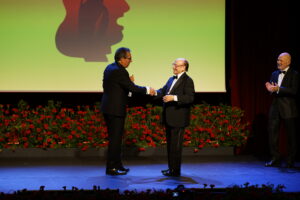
<point x="115" y="171"/>
<point x="170" y="172"/>
<point x="124" y="169"/>
<point x="273" y="163"/>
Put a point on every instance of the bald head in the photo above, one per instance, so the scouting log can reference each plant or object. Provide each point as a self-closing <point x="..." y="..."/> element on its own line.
<point x="283" y="61"/>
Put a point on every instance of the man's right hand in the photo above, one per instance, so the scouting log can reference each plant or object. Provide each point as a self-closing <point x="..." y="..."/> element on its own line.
<point x="152" y="91"/>
<point x="272" y="87"/>
<point x="132" y="78"/>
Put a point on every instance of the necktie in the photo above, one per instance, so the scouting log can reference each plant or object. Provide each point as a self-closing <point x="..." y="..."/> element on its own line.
<point x="175" y="77"/>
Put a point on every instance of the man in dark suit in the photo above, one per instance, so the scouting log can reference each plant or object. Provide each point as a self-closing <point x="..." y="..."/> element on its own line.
<point x="283" y="86"/>
<point x="178" y="96"/>
<point x="116" y="85"/>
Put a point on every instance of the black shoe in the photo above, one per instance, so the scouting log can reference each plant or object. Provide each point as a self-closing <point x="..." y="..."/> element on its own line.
<point x="115" y="171"/>
<point x="273" y="163"/>
<point x="170" y="172"/>
<point x="124" y="169"/>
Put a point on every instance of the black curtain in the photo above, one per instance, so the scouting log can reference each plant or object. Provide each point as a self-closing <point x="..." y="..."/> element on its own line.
<point x="257" y="32"/>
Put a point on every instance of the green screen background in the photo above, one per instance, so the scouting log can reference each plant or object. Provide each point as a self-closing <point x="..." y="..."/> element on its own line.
<point x="156" y="31"/>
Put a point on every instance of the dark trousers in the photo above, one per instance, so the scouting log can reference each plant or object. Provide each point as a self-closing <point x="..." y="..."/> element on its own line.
<point x="274" y="130"/>
<point x="174" y="147"/>
<point x="115" y="128"/>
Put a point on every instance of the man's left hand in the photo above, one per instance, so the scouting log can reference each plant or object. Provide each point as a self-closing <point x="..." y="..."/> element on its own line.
<point x="168" y="98"/>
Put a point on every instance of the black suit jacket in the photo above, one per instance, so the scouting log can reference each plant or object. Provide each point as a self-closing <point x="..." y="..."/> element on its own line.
<point x="116" y="85"/>
<point x="177" y="113"/>
<point x="285" y="101"/>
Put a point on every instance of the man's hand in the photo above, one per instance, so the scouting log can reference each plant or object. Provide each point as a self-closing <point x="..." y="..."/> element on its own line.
<point x="131" y="78"/>
<point x="152" y="91"/>
<point x="168" y="98"/>
<point x="272" y="87"/>
<point x="269" y="86"/>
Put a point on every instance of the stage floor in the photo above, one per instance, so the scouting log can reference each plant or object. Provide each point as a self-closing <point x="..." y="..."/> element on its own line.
<point x="145" y="173"/>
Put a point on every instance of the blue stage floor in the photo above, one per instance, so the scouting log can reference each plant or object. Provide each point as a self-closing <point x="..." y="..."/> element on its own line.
<point x="145" y="173"/>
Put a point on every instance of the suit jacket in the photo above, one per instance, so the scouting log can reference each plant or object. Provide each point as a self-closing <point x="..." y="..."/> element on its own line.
<point x="177" y="113"/>
<point x="285" y="101"/>
<point x="116" y="85"/>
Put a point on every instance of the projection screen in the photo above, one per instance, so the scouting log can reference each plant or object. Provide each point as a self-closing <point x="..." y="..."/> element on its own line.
<point x="64" y="45"/>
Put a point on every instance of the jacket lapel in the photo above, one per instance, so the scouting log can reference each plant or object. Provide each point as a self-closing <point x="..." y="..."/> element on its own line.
<point x="179" y="81"/>
<point x="286" y="77"/>
<point x="169" y="83"/>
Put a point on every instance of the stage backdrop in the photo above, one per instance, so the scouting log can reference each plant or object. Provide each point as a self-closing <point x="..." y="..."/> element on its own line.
<point x="64" y="45"/>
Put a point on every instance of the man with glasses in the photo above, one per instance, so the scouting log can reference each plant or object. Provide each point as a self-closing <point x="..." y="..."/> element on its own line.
<point x="116" y="86"/>
<point x="177" y="96"/>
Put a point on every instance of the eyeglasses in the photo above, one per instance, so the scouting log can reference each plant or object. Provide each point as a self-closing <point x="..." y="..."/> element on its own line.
<point x="128" y="58"/>
<point x="174" y="65"/>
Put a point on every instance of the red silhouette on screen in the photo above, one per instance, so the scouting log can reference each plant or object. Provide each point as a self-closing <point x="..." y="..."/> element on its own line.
<point x="90" y="28"/>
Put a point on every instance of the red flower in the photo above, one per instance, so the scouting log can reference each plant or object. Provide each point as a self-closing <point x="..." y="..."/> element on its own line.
<point x="193" y="116"/>
<point x="142" y="149"/>
<point x="54" y="123"/>
<point x="84" y="148"/>
<point x="56" y="136"/>
<point x="134" y="140"/>
<point x="216" y="145"/>
<point x="46" y="126"/>
<point x="142" y="137"/>
<point x="148" y="138"/>
<point x="25" y="145"/>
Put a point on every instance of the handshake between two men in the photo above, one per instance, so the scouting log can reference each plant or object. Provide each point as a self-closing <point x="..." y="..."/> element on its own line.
<point x="152" y="92"/>
<point x="116" y="84"/>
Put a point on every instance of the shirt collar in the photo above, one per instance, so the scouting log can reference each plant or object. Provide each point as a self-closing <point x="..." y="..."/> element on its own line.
<point x="179" y="75"/>
<point x="286" y="69"/>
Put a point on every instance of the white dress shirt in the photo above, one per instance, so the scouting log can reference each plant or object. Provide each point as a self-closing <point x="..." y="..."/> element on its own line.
<point x="173" y="83"/>
<point x="281" y="75"/>
<point x="280" y="78"/>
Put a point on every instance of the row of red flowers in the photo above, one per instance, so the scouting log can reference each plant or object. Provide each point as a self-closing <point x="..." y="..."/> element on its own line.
<point x="54" y="126"/>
